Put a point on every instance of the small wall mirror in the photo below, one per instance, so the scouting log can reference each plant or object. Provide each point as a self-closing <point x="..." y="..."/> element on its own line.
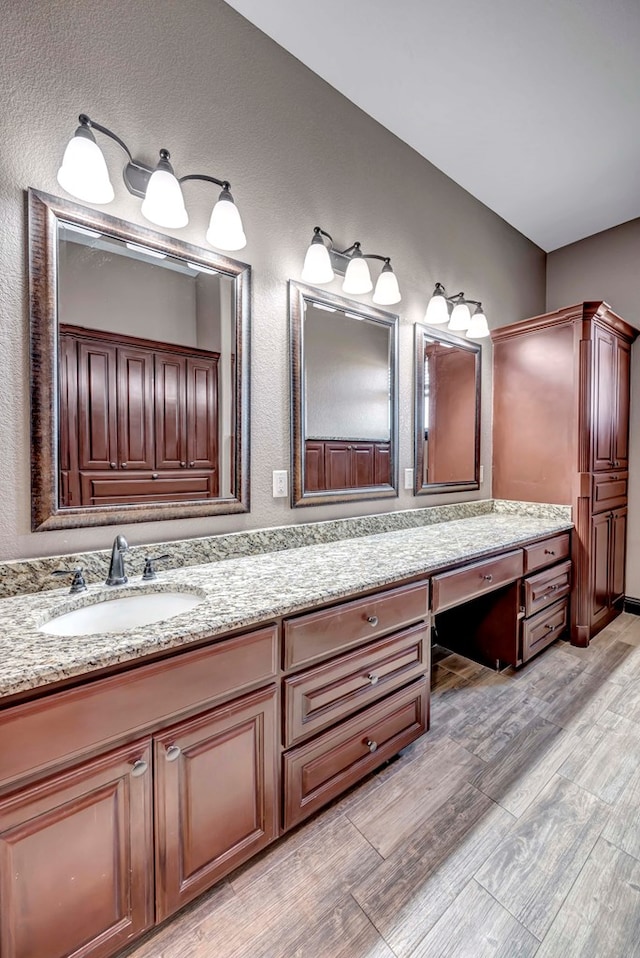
<point x="447" y="412"/>
<point x="139" y="359"/>
<point x="344" y="399"/>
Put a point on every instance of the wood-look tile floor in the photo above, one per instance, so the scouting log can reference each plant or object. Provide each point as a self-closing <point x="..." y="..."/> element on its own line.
<point x="512" y="829"/>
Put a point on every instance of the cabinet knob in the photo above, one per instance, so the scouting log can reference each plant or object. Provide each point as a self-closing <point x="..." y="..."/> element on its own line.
<point x="113" y="465"/>
<point x="614" y="478"/>
<point x="372" y="620"/>
<point x="172" y="752"/>
<point x="371" y="745"/>
<point x="549" y="552"/>
<point x="139" y="768"/>
<point x="488" y="578"/>
<point x="123" y="465"/>
<point x="154" y="475"/>
<point x="191" y="465"/>
<point x="183" y="465"/>
<point x="373" y="679"/>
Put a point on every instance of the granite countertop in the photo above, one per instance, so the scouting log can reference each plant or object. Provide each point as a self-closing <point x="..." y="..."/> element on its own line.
<point x="243" y="592"/>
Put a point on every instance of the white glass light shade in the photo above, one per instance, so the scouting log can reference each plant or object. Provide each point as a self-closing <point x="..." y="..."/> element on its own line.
<point x="225" y="226"/>
<point x="478" y="327"/>
<point x="387" y="291"/>
<point x="317" y="267"/>
<point x="163" y="203"/>
<point x="84" y="172"/>
<point x="460" y="317"/>
<point x="357" y="278"/>
<point x="437" y="310"/>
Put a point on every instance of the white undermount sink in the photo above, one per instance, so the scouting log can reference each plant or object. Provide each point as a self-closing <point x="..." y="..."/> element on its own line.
<point x="121" y="614"/>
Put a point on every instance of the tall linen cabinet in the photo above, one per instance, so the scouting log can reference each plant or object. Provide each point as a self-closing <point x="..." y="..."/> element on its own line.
<point x="561" y="385"/>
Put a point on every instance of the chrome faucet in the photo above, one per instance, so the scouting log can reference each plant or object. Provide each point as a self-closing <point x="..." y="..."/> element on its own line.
<point x="116" y="569"/>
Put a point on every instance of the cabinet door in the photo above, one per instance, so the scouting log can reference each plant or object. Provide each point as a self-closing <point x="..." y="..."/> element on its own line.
<point x="97" y="405"/>
<point x="314" y="466"/>
<point x="76" y="859"/>
<point x="600" y="555"/>
<point x="604" y="398"/>
<point x="216" y="786"/>
<point x="171" y="411"/>
<point x="69" y="492"/>
<point x="337" y="465"/>
<point x="362" y="464"/>
<point x="618" y="554"/>
<point x="202" y="413"/>
<point x="135" y="408"/>
<point x="621" y="420"/>
<point x="382" y="464"/>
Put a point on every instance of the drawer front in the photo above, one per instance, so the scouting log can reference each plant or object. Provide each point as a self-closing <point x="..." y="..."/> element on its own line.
<point x="610" y="491"/>
<point x="546" y="552"/>
<point x="316" y="772"/>
<point x="39" y="734"/>
<point x="547" y="587"/>
<point x="323" y="695"/>
<point x="319" y="635"/>
<point x="113" y="488"/>
<point x="544" y="628"/>
<point x="459" y="585"/>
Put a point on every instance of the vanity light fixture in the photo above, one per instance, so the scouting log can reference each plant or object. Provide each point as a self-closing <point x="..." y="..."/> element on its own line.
<point x="460" y="318"/>
<point x="84" y="174"/>
<point x="322" y="261"/>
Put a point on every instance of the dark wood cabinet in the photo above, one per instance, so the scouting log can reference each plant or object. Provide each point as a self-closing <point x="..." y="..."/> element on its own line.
<point x="346" y="464"/>
<point x="132" y="413"/>
<point x="561" y="434"/>
<point x="216" y="787"/>
<point x="75" y="851"/>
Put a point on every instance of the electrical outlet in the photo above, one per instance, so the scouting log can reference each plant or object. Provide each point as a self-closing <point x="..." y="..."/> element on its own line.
<point x="280" y="483"/>
<point x="408" y="478"/>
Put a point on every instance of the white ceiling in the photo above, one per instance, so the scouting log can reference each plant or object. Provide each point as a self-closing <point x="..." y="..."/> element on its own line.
<point x="533" y="106"/>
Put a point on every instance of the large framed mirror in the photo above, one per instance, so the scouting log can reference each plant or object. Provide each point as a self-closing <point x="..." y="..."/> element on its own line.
<point x="447" y="412"/>
<point x="344" y="408"/>
<point x="139" y="372"/>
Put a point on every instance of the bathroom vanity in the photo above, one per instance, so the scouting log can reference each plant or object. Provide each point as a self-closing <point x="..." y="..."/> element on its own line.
<point x="139" y="768"/>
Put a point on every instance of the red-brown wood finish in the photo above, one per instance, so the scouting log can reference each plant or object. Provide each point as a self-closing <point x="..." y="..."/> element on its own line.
<point x="52" y="730"/>
<point x="382" y="463"/>
<point x="561" y="423"/>
<point x="346" y="464"/>
<point x="75" y="857"/>
<point x="202" y="413"/>
<point x="136" y="445"/>
<point x="547" y="587"/>
<point x="107" y="488"/>
<point x="546" y="552"/>
<point x="314" y="479"/>
<point x="323" y="695"/>
<point x="171" y="412"/>
<point x="96" y="405"/>
<point x="317" y="771"/>
<point x="317" y="635"/>
<point x="544" y="628"/>
<point x="460" y="585"/>
<point x="216" y="788"/>
<point x="618" y="554"/>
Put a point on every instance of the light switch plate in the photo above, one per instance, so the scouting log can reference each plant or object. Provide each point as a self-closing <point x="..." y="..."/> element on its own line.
<point x="280" y="483"/>
<point x="408" y="478"/>
<point x="481" y="473"/>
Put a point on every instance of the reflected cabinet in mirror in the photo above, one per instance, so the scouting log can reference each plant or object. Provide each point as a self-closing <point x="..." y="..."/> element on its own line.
<point x="343" y="399"/>
<point x="139" y="366"/>
<point x="447" y="412"/>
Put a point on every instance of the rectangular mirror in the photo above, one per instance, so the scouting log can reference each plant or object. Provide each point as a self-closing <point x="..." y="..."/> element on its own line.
<point x="447" y="412"/>
<point x="139" y="365"/>
<point x="343" y="399"/>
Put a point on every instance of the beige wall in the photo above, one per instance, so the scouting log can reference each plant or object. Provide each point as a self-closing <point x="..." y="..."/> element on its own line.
<point x="198" y="79"/>
<point x="606" y="266"/>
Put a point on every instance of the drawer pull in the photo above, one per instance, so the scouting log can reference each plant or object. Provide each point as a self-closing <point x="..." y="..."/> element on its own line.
<point x="371" y="745"/>
<point x="139" y="768"/>
<point x="549" y="552"/>
<point x="551" y="628"/>
<point x="172" y="752"/>
<point x="549" y="591"/>
<point x="488" y="578"/>
<point x="372" y="620"/>
<point x="373" y="679"/>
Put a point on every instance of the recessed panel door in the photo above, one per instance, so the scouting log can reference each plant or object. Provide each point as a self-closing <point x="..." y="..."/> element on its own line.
<point x="171" y="420"/>
<point x="604" y="398"/>
<point x="136" y="442"/>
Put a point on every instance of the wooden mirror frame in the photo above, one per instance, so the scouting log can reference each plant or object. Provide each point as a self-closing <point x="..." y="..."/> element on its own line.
<point x="44" y="212"/>
<point x="298" y="294"/>
<point x="434" y="488"/>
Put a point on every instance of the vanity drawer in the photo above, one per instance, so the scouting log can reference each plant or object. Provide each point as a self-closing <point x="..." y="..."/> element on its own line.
<point x="544" y="628"/>
<point x="113" y="488"/>
<point x="319" y="635"/>
<point x="321" y="696"/>
<point x="316" y="772"/>
<point x="547" y="587"/>
<point x="65" y="724"/>
<point x="610" y="492"/>
<point x="546" y="552"/>
<point x="460" y="585"/>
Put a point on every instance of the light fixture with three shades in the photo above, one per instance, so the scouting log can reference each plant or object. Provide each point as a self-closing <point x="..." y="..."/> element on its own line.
<point x="455" y="311"/>
<point x="84" y="174"/>
<point x="322" y="261"/>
